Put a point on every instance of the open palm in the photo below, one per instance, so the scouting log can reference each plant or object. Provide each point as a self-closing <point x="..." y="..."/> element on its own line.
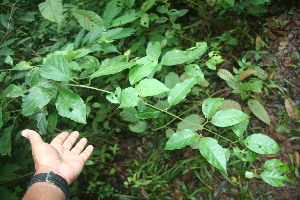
<point x="59" y="156"/>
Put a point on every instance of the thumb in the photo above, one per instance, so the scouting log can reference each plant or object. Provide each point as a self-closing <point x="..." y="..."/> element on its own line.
<point x="32" y="136"/>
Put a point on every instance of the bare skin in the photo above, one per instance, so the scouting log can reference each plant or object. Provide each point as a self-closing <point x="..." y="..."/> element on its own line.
<point x="58" y="157"/>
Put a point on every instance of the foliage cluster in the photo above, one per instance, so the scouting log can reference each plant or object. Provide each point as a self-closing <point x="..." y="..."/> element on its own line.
<point x="126" y="65"/>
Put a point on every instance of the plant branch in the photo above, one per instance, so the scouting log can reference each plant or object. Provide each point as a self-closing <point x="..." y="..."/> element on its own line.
<point x="89" y="87"/>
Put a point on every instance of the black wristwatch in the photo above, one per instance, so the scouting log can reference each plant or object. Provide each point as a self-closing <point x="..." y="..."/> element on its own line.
<point x="53" y="178"/>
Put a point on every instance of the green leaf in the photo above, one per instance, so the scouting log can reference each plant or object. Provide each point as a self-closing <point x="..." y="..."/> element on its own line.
<point x="13" y="91"/>
<point x="128" y="3"/>
<point x="144" y="20"/>
<point x="210" y="106"/>
<point x="70" y="105"/>
<point x="37" y="98"/>
<point x="195" y="71"/>
<point x="52" y="10"/>
<point x="259" y="111"/>
<point x="275" y="164"/>
<point x="162" y="9"/>
<point x="147" y="5"/>
<point x="130" y="16"/>
<point x="139" y="72"/>
<point x="112" y="67"/>
<point x="176" y="57"/>
<point x="193" y="122"/>
<point x="240" y="128"/>
<point x="42" y="123"/>
<point x="52" y="121"/>
<point x="230" y="104"/>
<point x="227" y="154"/>
<point x="148" y="113"/>
<point x="2" y="75"/>
<point x="180" y="139"/>
<point x="153" y="50"/>
<point x="32" y="76"/>
<point x="145" y="64"/>
<point x="250" y="174"/>
<point x="23" y="65"/>
<point x="56" y="68"/>
<point x="110" y="12"/>
<point x="129" y="97"/>
<point x="213" y="152"/>
<point x="180" y="91"/>
<point x="119" y="33"/>
<point x="151" y="87"/>
<point x="225" y="75"/>
<point x="114" y="98"/>
<point x="129" y="114"/>
<point x="93" y="36"/>
<point x="245" y="155"/>
<point x="89" y="20"/>
<point x="213" y="61"/>
<point x="9" y="60"/>
<point x="138" y="127"/>
<point x="225" y="118"/>
<point x="1" y="121"/>
<point x="78" y="39"/>
<point x="274" y="178"/>
<point x="5" y="141"/>
<point x="261" y="144"/>
<point x="171" y="79"/>
<point x="230" y="2"/>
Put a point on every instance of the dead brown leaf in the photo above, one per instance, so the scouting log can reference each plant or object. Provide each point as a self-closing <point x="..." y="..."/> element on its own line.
<point x="245" y="74"/>
<point x="296" y="158"/>
<point x="271" y="35"/>
<point x="291" y="109"/>
<point x="288" y="62"/>
<point x="271" y="23"/>
<point x="273" y="75"/>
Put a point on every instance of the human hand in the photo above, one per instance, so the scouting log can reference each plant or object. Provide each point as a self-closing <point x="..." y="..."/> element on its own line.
<point x="58" y="156"/>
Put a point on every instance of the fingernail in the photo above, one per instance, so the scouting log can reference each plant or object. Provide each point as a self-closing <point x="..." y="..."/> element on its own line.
<point x="24" y="133"/>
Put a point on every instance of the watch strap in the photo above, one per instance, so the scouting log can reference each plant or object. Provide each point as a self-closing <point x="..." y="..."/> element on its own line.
<point x="53" y="178"/>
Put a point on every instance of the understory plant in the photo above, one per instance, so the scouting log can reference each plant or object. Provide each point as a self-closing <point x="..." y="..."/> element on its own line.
<point x="128" y="57"/>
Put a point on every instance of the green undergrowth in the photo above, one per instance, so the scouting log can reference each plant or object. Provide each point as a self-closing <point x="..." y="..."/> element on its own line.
<point x="125" y="69"/>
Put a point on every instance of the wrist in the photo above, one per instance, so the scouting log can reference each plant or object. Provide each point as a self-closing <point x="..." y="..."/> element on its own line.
<point x="53" y="179"/>
<point x="45" y="190"/>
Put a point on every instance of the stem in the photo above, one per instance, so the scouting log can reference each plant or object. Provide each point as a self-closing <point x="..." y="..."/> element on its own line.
<point x="186" y="121"/>
<point x="165" y="111"/>
<point x="217" y="134"/>
<point x="209" y="96"/>
<point x="89" y="87"/>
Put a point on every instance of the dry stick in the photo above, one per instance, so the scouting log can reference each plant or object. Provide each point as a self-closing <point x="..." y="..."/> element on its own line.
<point x="8" y="23"/>
<point x="19" y="177"/>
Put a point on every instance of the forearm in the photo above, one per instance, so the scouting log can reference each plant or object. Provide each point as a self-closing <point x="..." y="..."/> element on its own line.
<point x="44" y="191"/>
